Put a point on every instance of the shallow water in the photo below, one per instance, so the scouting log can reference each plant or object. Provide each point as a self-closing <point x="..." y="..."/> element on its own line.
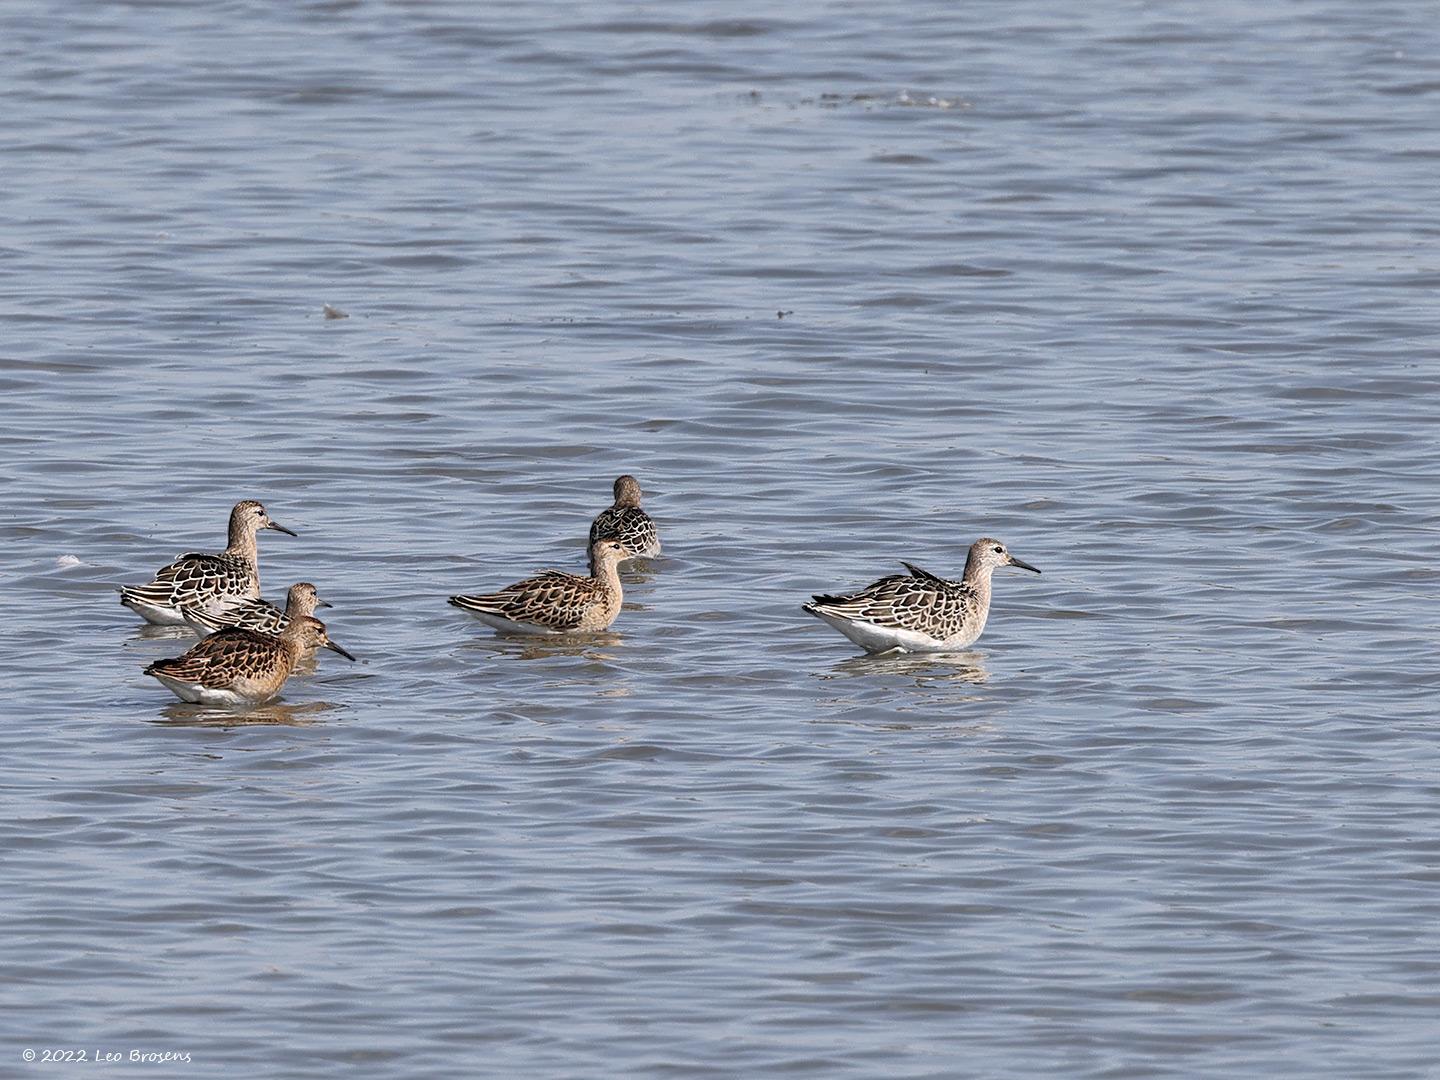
<point x="1147" y="291"/>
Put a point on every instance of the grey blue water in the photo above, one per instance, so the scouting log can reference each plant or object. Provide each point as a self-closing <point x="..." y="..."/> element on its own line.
<point x="1148" y="290"/>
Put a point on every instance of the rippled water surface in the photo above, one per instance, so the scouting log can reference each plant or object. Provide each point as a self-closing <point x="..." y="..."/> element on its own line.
<point x="1148" y="290"/>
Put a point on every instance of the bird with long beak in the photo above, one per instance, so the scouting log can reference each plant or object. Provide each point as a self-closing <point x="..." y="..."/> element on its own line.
<point x="257" y="614"/>
<point x="206" y="582"/>
<point x="242" y="667"/>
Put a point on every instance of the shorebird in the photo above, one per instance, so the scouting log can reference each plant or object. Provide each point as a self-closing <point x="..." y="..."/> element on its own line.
<point x="257" y="614"/>
<point x="553" y="602"/>
<point x="920" y="612"/>
<point x="626" y="522"/>
<point x="207" y="582"/>
<point x="241" y="667"/>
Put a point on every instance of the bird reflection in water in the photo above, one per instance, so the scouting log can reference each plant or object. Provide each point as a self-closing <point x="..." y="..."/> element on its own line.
<point x="592" y="646"/>
<point x="909" y="690"/>
<point x="155" y="632"/>
<point x="925" y="668"/>
<point x="274" y="713"/>
<point x="639" y="571"/>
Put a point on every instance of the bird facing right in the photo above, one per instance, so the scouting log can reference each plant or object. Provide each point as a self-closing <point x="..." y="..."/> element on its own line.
<point x="920" y="612"/>
<point x="257" y="614"/>
<point x="554" y="602"/>
<point x="206" y="581"/>
<point x="241" y="667"/>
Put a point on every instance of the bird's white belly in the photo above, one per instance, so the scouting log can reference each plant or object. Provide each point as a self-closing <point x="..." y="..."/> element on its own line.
<point x="510" y="626"/>
<point x="877" y="639"/>
<point x="205" y="695"/>
<point x="154" y="613"/>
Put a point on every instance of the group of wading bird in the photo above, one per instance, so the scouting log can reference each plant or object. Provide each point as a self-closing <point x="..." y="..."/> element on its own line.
<point x="252" y="646"/>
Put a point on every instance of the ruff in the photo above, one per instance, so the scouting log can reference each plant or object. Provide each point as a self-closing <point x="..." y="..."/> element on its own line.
<point x="920" y="612"/>
<point x="241" y="667"/>
<point x="554" y="602"/>
<point x="206" y="582"/>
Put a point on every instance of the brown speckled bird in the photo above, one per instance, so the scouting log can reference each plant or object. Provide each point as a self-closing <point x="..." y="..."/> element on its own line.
<point x="554" y="602"/>
<point x="919" y="612"/>
<point x="626" y="522"/>
<point x="257" y="614"/>
<point x="206" y="581"/>
<point x="241" y="667"/>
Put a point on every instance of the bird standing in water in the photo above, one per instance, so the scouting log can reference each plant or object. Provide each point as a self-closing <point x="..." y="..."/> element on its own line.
<point x="206" y="582"/>
<point x="920" y="612"/>
<point x="554" y="602"/>
<point x="241" y="667"/>
<point x="626" y="522"/>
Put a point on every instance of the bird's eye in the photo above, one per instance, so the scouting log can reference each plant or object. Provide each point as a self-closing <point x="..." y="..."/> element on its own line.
<point x="999" y="551"/>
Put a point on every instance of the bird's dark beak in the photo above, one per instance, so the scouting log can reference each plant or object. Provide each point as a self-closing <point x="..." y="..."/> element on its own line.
<point x="281" y="528"/>
<point x="337" y="648"/>
<point x="323" y="603"/>
<point x="1023" y="565"/>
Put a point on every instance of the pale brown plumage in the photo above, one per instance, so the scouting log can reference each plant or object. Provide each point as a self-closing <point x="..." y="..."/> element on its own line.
<point x="554" y="602"/>
<point x="236" y="666"/>
<point x="919" y="612"/>
<point x="257" y="614"/>
<point x="204" y="581"/>
<point x="626" y="522"/>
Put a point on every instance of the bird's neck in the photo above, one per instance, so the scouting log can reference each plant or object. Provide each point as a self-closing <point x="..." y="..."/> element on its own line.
<point x="290" y="642"/>
<point x="977" y="576"/>
<point x="242" y="540"/>
<point x="606" y="574"/>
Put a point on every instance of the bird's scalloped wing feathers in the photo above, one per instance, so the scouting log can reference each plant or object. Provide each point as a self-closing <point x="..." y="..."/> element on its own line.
<point x="923" y="575"/>
<point x="203" y="618"/>
<point x="192" y="578"/>
<point x="187" y="668"/>
<point x="258" y="615"/>
<point x="628" y="524"/>
<point x="854" y="605"/>
<point x="603" y="527"/>
<point x="222" y="658"/>
<point x="921" y="602"/>
<point x="552" y="599"/>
